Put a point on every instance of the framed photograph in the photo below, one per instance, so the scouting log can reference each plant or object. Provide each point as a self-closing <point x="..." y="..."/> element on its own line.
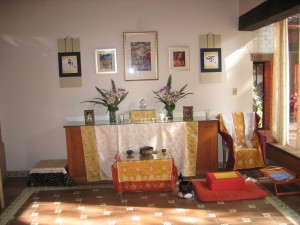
<point x="69" y="64"/>
<point x="187" y="113"/>
<point x="179" y="58"/>
<point x="89" y="117"/>
<point x="140" y="56"/>
<point x="106" y="60"/>
<point x="211" y="60"/>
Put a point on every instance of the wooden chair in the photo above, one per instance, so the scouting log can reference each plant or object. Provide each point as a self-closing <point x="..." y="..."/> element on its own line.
<point x="243" y="145"/>
<point x="2" y="205"/>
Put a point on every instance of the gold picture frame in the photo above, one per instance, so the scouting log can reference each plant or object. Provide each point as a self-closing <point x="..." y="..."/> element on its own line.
<point x="179" y="59"/>
<point x="187" y="113"/>
<point x="140" y="55"/>
<point x="89" y="117"/>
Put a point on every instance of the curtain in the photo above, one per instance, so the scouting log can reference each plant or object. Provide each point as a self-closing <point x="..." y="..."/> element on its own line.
<point x="280" y="100"/>
<point x="298" y="110"/>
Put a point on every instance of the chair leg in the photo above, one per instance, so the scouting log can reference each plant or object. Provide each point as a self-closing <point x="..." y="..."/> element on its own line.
<point x="224" y="154"/>
<point x="2" y="205"/>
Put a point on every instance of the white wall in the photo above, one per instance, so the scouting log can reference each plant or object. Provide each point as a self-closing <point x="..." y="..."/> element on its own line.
<point x="247" y="5"/>
<point x="33" y="109"/>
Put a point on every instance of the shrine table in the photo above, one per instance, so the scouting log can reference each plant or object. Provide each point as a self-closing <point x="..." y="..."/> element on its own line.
<point x="145" y="173"/>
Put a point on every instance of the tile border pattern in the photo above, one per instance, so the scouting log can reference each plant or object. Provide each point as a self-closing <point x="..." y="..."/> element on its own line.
<point x="9" y="212"/>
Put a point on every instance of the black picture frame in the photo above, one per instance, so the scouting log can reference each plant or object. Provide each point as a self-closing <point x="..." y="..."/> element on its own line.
<point x="211" y="60"/>
<point x="69" y="64"/>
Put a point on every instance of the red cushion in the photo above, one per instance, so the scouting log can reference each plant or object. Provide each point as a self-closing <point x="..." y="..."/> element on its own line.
<point x="250" y="191"/>
<point x="221" y="181"/>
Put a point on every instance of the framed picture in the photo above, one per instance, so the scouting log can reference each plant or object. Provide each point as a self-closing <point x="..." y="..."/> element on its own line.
<point x="140" y="56"/>
<point x="89" y="117"/>
<point x="187" y="113"/>
<point x="179" y="58"/>
<point x="211" y="60"/>
<point x="69" y="64"/>
<point x="106" y="60"/>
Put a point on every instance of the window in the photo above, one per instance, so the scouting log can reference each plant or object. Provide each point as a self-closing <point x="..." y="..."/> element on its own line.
<point x="258" y="91"/>
<point x="293" y="37"/>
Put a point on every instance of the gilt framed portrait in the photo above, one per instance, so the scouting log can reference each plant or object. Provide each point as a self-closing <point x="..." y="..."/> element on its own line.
<point x="89" y="117"/>
<point x="179" y="58"/>
<point x="106" y="61"/>
<point x="69" y="64"/>
<point x="211" y="60"/>
<point x="140" y="56"/>
<point x="187" y="113"/>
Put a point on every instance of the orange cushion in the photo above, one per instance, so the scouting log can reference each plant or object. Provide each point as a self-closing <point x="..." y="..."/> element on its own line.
<point x="221" y="181"/>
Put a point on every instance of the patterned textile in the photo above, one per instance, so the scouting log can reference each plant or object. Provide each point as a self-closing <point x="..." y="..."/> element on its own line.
<point x="50" y="179"/>
<point x="145" y="185"/>
<point x="50" y="166"/>
<point x="191" y="140"/>
<point x="110" y="140"/>
<point x="90" y="153"/>
<point x="247" y="151"/>
<point x="145" y="170"/>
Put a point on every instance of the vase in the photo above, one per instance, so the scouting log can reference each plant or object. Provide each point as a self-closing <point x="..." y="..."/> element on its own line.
<point x="112" y="116"/>
<point x="170" y="114"/>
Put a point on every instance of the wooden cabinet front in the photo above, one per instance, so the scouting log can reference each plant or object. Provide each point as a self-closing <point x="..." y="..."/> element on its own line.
<point x="207" y="152"/>
<point x="76" y="162"/>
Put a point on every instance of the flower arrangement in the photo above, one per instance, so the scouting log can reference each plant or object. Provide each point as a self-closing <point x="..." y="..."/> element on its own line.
<point x="169" y="97"/>
<point x="111" y="99"/>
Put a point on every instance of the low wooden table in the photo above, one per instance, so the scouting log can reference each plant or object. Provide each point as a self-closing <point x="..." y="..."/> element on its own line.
<point x="279" y="175"/>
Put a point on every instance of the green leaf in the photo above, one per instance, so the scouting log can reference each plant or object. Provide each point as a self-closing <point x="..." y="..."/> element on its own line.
<point x="100" y="91"/>
<point x="169" y="83"/>
<point x="113" y="86"/>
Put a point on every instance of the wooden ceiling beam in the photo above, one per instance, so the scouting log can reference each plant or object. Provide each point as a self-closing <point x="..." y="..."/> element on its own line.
<point x="268" y="12"/>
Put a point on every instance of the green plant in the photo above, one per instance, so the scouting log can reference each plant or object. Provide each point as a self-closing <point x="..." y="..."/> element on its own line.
<point x="169" y="97"/>
<point x="110" y="98"/>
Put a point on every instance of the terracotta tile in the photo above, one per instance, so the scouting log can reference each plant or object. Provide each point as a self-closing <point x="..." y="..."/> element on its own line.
<point x="93" y="200"/>
<point x="206" y="220"/>
<point x="46" y="193"/>
<point x="91" y="210"/>
<point x="127" y="222"/>
<point x="88" y="206"/>
<point x="123" y="216"/>
<point x="143" y="210"/>
<point x="195" y="212"/>
<point x="157" y="200"/>
<point x="76" y="213"/>
<point x="98" y="217"/>
<point x="21" y="221"/>
<point x="117" y="207"/>
<point x="46" y="218"/>
<point x="24" y="211"/>
<point x="137" y="203"/>
<point x="229" y="218"/>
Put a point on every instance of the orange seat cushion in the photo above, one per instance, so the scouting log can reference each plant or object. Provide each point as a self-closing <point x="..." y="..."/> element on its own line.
<point x="221" y="181"/>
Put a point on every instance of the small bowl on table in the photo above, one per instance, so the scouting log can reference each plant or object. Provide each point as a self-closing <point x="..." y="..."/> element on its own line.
<point x="146" y="150"/>
<point x="130" y="153"/>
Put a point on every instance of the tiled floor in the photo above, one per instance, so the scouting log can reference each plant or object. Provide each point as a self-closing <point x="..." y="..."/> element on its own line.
<point x="103" y="206"/>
